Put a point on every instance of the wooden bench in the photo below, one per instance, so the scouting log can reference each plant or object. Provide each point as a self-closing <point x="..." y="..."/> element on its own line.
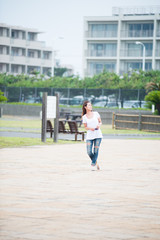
<point x="62" y="128"/>
<point x="74" y="129"/>
<point x="50" y="128"/>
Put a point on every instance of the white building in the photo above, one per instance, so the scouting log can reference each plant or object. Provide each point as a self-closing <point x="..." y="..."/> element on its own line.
<point x="110" y="42"/>
<point x="21" y="52"/>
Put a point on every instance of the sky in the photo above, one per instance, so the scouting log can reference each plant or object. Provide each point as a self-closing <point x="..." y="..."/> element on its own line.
<point x="61" y="22"/>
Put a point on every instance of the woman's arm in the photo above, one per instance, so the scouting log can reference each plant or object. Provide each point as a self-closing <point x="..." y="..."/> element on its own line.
<point x="99" y="123"/>
<point x="87" y="128"/>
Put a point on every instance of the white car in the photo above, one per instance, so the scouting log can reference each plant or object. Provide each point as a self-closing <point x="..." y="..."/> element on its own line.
<point x="131" y="104"/>
<point x="100" y="104"/>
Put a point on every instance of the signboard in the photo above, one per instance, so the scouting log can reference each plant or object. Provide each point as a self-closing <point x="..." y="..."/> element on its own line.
<point x="51" y="107"/>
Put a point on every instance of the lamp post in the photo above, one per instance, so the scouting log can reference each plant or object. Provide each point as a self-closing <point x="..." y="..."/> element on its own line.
<point x="144" y="50"/>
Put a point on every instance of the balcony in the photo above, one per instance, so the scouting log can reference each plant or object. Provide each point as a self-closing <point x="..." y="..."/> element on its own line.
<point x="5" y="58"/>
<point x="20" y="60"/>
<point x="101" y="34"/>
<point x="4" y="41"/>
<point x="158" y="34"/>
<point x="137" y="34"/>
<point x="35" y="44"/>
<point x="157" y="52"/>
<point x="101" y="54"/>
<point x="134" y="53"/>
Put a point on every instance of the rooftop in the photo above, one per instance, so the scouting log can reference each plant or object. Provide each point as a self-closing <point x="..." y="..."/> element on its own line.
<point x="143" y="10"/>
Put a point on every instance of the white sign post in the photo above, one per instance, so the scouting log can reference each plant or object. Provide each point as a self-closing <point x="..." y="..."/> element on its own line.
<point x="51" y="107"/>
<point x="50" y="110"/>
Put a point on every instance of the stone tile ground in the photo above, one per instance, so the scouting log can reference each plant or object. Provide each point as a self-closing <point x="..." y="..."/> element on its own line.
<point x="49" y="192"/>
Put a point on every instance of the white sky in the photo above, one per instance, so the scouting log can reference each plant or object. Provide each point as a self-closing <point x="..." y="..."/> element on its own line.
<point x="61" y="18"/>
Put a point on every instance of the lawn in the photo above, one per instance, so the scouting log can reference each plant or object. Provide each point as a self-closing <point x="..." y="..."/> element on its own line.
<point x="19" y="142"/>
<point x="34" y="125"/>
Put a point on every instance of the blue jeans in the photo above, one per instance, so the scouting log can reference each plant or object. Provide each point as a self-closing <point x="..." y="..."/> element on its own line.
<point x="93" y="152"/>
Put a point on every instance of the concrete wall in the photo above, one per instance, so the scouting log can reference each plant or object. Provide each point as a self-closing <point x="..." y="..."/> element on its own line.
<point x="21" y="110"/>
<point x="34" y="111"/>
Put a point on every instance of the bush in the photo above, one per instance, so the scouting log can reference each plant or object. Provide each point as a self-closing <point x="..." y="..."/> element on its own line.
<point x="154" y="98"/>
<point x="2" y="98"/>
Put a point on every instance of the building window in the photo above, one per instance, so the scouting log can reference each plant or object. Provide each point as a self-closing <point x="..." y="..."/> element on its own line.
<point x="30" y="54"/>
<point x="23" y="35"/>
<point x="14" y="34"/>
<point x="33" y="69"/>
<point x="1" y="67"/>
<point x="134" y="50"/>
<point x="31" y="36"/>
<point x="1" y="49"/>
<point x="39" y="54"/>
<point x="102" y="49"/>
<point x="47" y="71"/>
<point x="99" y="67"/>
<point x="18" y="51"/>
<point x="14" y="68"/>
<point x="103" y="30"/>
<point x="46" y="55"/>
<point x="14" y="51"/>
<point x="129" y="66"/>
<point x="140" y="30"/>
<point x="1" y="31"/>
<point x="4" y="50"/>
<point x="4" y="67"/>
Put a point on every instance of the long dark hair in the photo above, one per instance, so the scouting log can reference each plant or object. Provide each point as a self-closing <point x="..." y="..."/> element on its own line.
<point x="83" y="107"/>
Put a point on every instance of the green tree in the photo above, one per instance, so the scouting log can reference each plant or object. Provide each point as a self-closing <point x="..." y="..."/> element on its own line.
<point x="154" y="85"/>
<point x="2" y="98"/>
<point x="154" y="98"/>
<point x="59" y="71"/>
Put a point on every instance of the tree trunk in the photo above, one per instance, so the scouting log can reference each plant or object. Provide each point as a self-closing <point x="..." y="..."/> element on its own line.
<point x="158" y="108"/>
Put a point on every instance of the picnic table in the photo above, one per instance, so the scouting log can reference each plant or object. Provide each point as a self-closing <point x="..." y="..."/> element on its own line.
<point x="74" y="117"/>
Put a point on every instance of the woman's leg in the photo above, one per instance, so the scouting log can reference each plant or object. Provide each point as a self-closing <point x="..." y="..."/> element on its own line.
<point x="97" y="143"/>
<point x="89" y="149"/>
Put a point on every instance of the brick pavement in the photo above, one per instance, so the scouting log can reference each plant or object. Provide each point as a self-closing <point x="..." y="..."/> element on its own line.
<point x="49" y="192"/>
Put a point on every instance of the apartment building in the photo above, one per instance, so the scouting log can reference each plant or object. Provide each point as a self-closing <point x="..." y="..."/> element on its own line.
<point x="22" y="53"/>
<point x="125" y="41"/>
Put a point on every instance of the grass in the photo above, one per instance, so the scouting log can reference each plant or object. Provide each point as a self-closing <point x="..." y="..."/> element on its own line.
<point x="20" y="123"/>
<point x="6" y="142"/>
<point x="107" y="129"/>
<point x="34" y="125"/>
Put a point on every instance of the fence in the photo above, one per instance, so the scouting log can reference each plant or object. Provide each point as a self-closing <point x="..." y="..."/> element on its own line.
<point x="72" y="96"/>
<point x="140" y="122"/>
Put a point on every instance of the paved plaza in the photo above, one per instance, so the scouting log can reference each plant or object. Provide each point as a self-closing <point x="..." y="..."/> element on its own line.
<point x="50" y="193"/>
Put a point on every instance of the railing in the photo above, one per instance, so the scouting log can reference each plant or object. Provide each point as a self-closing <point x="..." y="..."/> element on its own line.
<point x="158" y="33"/>
<point x="137" y="33"/>
<point x="101" y="34"/>
<point x="141" y="122"/>
<point x="135" y="53"/>
<point x="74" y="96"/>
<point x="101" y="53"/>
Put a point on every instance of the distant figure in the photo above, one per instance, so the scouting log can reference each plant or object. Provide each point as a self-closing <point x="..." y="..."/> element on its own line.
<point x="92" y="122"/>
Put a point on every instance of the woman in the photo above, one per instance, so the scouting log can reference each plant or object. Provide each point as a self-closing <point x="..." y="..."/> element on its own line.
<point x="92" y="122"/>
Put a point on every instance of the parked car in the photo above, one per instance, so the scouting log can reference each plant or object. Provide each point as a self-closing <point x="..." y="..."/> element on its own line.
<point x="143" y="104"/>
<point x="77" y="100"/>
<point x="131" y="104"/>
<point x="33" y="100"/>
<point x="112" y="104"/>
<point x="65" y="101"/>
<point x="100" y="104"/>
